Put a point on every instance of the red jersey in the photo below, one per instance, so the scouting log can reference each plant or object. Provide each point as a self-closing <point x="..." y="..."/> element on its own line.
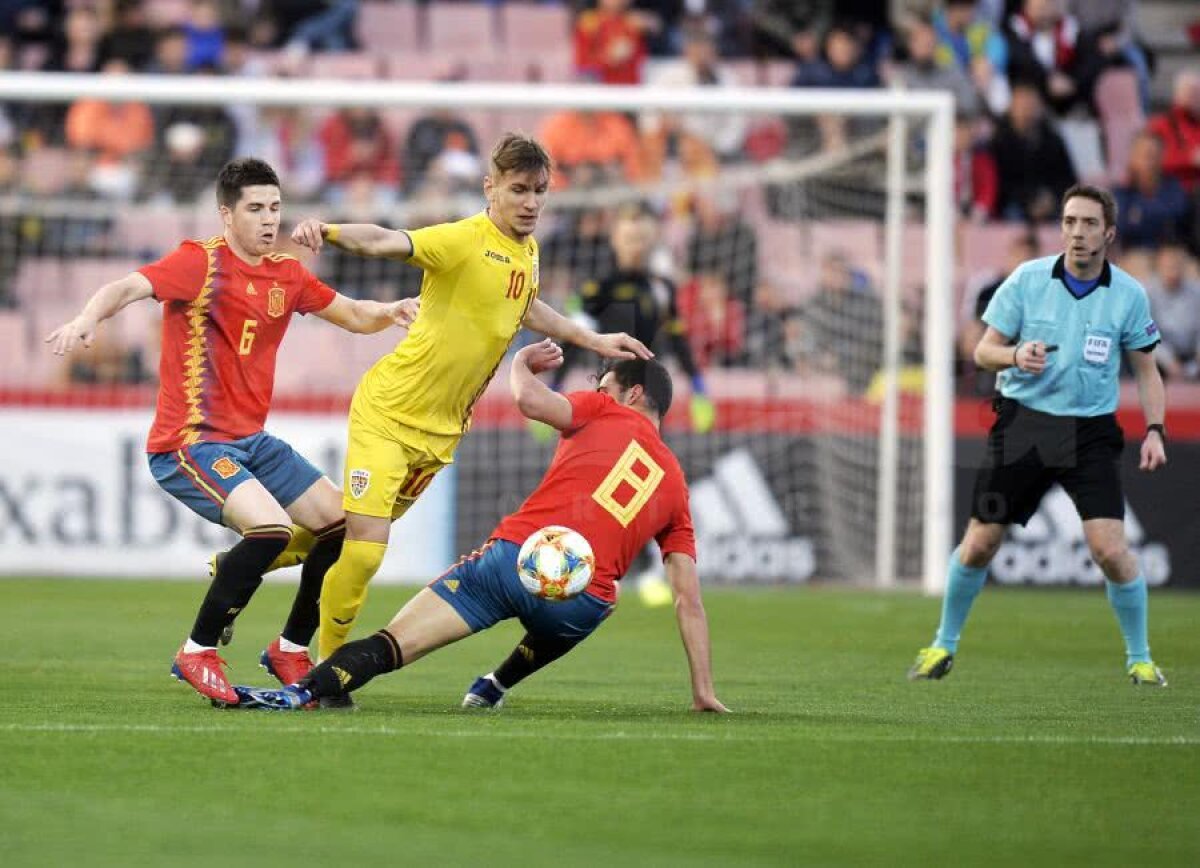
<point x="614" y="480"/>
<point x="223" y="320"/>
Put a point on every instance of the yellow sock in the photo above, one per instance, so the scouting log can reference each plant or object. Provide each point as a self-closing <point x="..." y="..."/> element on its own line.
<point x="297" y="550"/>
<point x="344" y="591"/>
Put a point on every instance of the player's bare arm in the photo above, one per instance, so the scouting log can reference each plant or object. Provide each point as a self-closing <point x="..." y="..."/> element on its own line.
<point x="1154" y="407"/>
<point x="365" y="317"/>
<point x="693" y="629"/>
<point x="996" y="352"/>
<point x="534" y="398"/>
<point x="107" y="301"/>
<point x="363" y="239"/>
<point x="545" y="320"/>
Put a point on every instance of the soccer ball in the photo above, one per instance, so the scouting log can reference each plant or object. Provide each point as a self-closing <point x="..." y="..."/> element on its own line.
<point x="556" y="563"/>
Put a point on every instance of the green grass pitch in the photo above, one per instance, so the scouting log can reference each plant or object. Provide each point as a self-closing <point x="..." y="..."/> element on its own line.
<point x="1035" y="751"/>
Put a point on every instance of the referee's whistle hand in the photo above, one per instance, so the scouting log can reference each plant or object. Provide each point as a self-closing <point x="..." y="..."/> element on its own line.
<point x="1031" y="357"/>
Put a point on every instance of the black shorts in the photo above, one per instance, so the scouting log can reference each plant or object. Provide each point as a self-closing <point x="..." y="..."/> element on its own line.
<point x="1028" y="451"/>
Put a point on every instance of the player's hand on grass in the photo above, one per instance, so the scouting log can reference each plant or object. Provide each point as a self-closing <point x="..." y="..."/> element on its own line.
<point x="310" y="233"/>
<point x="1154" y="453"/>
<point x="545" y="355"/>
<point x="709" y="703"/>
<point x="704" y="413"/>
<point x="404" y="312"/>
<point x="81" y="330"/>
<point x="619" y="345"/>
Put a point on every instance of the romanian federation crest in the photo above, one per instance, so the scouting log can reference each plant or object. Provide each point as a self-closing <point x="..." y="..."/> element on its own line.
<point x="360" y="480"/>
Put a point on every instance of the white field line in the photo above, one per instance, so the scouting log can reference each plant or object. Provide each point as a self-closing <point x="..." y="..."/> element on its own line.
<point x="273" y="730"/>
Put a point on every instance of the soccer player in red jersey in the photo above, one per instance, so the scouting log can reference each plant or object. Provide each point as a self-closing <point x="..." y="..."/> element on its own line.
<point x="612" y="479"/>
<point x="226" y="305"/>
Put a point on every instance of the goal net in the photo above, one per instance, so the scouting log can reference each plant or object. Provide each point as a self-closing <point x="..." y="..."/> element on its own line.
<point x="806" y="235"/>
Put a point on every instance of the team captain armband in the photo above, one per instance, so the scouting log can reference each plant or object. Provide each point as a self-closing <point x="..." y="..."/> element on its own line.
<point x="332" y="232"/>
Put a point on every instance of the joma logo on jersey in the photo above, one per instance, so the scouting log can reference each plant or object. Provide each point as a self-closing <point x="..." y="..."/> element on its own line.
<point x="360" y="480"/>
<point x="276" y="300"/>
<point x="499" y="257"/>
<point x="225" y="467"/>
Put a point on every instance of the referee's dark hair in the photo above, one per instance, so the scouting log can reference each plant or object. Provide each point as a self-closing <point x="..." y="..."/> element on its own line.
<point x="651" y="375"/>
<point x="1108" y="204"/>
<point x="243" y="172"/>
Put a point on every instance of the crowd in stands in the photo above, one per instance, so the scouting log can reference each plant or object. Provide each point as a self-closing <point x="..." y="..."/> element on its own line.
<point x="1047" y="92"/>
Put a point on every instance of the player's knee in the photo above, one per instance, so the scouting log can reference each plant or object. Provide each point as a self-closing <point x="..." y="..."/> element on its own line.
<point x="1110" y="556"/>
<point x="978" y="547"/>
<point x="270" y="539"/>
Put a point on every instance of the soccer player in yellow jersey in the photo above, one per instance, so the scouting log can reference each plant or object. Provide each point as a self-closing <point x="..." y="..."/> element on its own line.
<point x="411" y="408"/>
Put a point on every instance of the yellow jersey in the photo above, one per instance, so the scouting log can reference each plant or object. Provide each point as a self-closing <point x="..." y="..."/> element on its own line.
<point x="477" y="288"/>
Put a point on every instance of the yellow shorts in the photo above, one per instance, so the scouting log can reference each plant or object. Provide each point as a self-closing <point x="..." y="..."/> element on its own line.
<point x="389" y="464"/>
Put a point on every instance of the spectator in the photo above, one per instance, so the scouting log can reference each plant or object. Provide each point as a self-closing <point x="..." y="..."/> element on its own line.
<point x="205" y="36"/>
<point x="284" y="137"/>
<point x="77" y="47"/>
<point x="699" y="66"/>
<point x="1151" y="206"/>
<point x="130" y="38"/>
<point x="1179" y="130"/>
<point x="922" y="70"/>
<point x="716" y="322"/>
<point x="610" y="46"/>
<point x="842" y="66"/>
<point x="1111" y="29"/>
<point x="326" y="25"/>
<point x="116" y="133"/>
<point x="723" y="243"/>
<point x="588" y="147"/>
<point x="841" y="326"/>
<point x="1031" y="160"/>
<point x="1175" y="305"/>
<point x="30" y="22"/>
<point x="108" y="362"/>
<point x="767" y="332"/>
<point x="1022" y="248"/>
<point x="440" y="137"/>
<point x="970" y="42"/>
<point x="214" y="122"/>
<point x="976" y="183"/>
<point x="357" y="145"/>
<point x="1043" y="45"/>
<point x="174" y="176"/>
<point x="170" y="52"/>
<point x="789" y="28"/>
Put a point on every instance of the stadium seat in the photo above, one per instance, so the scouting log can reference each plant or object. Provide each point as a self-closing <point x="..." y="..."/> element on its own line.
<point x="38" y="278"/>
<point x="82" y="276"/>
<point x="356" y="65"/>
<point x="525" y="25"/>
<point x="388" y="28"/>
<point x="165" y="13"/>
<point x="859" y="239"/>
<point x="466" y="29"/>
<point x="148" y="233"/>
<point x="418" y="66"/>
<point x="1121" y="117"/>
<point x="13" y="352"/>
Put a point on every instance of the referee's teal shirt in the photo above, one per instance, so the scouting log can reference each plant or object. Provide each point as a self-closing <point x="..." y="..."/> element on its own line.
<point x="1080" y="379"/>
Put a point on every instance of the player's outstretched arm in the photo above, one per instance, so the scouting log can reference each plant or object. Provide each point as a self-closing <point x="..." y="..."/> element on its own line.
<point x="108" y="299"/>
<point x="365" y="317"/>
<point x="545" y="320"/>
<point x="693" y="629"/>
<point x="534" y="398"/>
<point x="1153" y="398"/>
<point x="365" y="239"/>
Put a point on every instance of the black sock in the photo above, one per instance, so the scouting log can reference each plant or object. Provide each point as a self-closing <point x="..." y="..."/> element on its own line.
<point x="353" y="665"/>
<point x="529" y="656"/>
<point x="237" y="578"/>
<point x="306" y="608"/>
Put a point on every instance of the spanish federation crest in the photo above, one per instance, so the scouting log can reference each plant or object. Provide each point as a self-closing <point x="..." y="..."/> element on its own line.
<point x="276" y="300"/>
<point x="360" y="480"/>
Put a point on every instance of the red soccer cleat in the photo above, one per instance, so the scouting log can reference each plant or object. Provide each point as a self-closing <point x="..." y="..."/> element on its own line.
<point x="288" y="666"/>
<point x="205" y="671"/>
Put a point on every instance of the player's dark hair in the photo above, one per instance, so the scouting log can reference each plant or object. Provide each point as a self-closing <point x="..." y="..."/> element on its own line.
<point x="651" y="375"/>
<point x="239" y="173"/>
<point x="516" y="152"/>
<point x="1105" y="199"/>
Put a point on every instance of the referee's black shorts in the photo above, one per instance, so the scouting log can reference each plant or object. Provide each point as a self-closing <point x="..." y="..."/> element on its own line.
<point x="1029" y="451"/>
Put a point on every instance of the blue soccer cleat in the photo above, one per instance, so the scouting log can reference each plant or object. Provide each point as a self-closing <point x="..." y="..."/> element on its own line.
<point x="484" y="693"/>
<point x="290" y="698"/>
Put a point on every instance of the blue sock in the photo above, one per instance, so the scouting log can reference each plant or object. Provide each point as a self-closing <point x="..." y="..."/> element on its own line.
<point x="962" y="587"/>
<point x="1129" y="605"/>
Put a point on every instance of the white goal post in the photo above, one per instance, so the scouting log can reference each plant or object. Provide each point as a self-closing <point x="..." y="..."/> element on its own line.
<point x="928" y="116"/>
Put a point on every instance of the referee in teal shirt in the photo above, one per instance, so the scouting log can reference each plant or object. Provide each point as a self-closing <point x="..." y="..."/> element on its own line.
<point x="1055" y="331"/>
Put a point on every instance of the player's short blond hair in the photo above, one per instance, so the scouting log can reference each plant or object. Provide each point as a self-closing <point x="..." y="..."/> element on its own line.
<point x="517" y="152"/>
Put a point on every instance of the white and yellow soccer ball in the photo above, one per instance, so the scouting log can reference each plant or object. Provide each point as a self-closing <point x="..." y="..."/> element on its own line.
<point x="556" y="563"/>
